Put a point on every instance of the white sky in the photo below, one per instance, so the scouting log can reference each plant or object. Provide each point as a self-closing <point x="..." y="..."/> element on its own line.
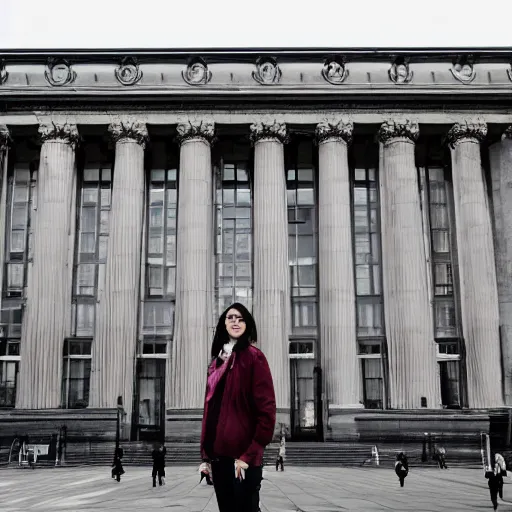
<point x="256" y="23"/>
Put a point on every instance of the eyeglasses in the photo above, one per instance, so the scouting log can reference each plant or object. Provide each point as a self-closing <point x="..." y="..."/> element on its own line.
<point x="235" y="318"/>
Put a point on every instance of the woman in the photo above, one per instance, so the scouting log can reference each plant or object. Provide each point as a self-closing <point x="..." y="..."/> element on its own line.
<point x="117" y="465"/>
<point x="239" y="412"/>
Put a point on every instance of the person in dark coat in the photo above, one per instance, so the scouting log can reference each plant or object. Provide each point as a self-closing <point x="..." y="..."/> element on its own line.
<point x="117" y="465"/>
<point x="239" y="412"/>
<point x="494" y="481"/>
<point x="401" y="467"/>
<point x="158" y="456"/>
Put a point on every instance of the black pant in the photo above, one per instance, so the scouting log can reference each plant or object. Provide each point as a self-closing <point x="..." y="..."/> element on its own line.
<point x="280" y="462"/>
<point x="494" y="496"/>
<point x="232" y="494"/>
<point x="160" y="472"/>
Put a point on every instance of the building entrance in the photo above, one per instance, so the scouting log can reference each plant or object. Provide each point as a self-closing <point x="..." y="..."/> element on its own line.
<point x="149" y="413"/>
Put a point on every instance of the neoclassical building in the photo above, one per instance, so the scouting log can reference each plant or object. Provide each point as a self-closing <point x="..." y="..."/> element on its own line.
<point x="358" y="202"/>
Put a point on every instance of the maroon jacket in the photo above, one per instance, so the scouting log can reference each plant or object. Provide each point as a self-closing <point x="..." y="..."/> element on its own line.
<point x="247" y="414"/>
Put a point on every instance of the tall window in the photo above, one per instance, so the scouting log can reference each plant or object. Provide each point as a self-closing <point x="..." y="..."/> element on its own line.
<point x="367" y="262"/>
<point x="234" y="240"/>
<point x="438" y="218"/>
<point x="93" y="209"/>
<point x="159" y="294"/>
<point x="302" y="236"/>
<point x="18" y="246"/>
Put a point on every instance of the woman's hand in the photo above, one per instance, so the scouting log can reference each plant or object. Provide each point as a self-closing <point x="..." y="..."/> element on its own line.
<point x="240" y="467"/>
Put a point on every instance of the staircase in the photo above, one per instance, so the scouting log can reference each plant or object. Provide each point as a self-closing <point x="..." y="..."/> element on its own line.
<point x="297" y="454"/>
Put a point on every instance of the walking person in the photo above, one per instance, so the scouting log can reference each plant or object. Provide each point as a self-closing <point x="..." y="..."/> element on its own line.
<point x="239" y="412"/>
<point x="117" y="465"/>
<point x="494" y="484"/>
<point x="401" y="467"/>
<point x="440" y="456"/>
<point x="281" y="455"/>
<point x="158" y="456"/>
<point x="500" y="468"/>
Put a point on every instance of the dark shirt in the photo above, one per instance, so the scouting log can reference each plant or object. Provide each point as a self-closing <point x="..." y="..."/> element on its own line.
<point x="158" y="457"/>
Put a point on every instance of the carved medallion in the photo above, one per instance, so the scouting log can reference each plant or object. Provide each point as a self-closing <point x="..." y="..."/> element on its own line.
<point x="474" y="130"/>
<point x="3" y="72"/>
<point x="399" y="72"/>
<point x="334" y="70"/>
<point x="267" y="71"/>
<point x="197" y="72"/>
<point x="59" y="72"/>
<point x="334" y="129"/>
<point x="196" y="129"/>
<point x="128" y="72"/>
<point x="398" y="130"/>
<point x="462" y="69"/>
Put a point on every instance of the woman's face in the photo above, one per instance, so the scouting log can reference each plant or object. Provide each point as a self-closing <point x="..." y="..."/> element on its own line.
<point x="235" y="324"/>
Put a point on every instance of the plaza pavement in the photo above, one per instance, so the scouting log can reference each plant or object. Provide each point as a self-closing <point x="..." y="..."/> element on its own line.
<point x="296" y="489"/>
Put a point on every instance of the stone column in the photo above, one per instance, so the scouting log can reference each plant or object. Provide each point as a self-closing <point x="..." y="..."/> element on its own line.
<point x="115" y="333"/>
<point x="271" y="295"/>
<point x="500" y="156"/>
<point x="478" y="286"/>
<point x="49" y="284"/>
<point x="336" y="268"/>
<point x="192" y="338"/>
<point x="5" y="140"/>
<point x="409" y="328"/>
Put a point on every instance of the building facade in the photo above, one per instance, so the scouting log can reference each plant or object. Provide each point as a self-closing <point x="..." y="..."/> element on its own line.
<point x="358" y="202"/>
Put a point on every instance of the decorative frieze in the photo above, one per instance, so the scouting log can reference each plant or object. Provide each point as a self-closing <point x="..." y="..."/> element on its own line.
<point x="59" y="72"/>
<point x="197" y="72"/>
<point x="267" y="71"/>
<point x="196" y="129"/>
<point x="5" y="137"/>
<point x="466" y="130"/>
<point x="62" y="132"/>
<point x="269" y="130"/>
<point x="334" y="130"/>
<point x="398" y="129"/>
<point x="133" y="130"/>
<point x="334" y="71"/>
<point x="128" y="72"/>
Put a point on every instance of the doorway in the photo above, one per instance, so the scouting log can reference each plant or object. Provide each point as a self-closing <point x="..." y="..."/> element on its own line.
<point x="304" y="412"/>
<point x="149" y="400"/>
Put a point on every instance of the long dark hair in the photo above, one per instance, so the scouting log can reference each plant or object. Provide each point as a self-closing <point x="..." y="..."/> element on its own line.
<point x="221" y="335"/>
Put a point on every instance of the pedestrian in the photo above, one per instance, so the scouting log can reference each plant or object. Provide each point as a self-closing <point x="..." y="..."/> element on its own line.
<point x="440" y="457"/>
<point x="401" y="467"/>
<point x="500" y="468"/>
<point x="117" y="465"/>
<point x="158" y="456"/>
<point x="281" y="455"/>
<point x="239" y="412"/>
<point x="494" y="484"/>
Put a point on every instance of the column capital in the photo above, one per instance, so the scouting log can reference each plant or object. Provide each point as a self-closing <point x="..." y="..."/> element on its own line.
<point x="334" y="129"/>
<point x="474" y="131"/>
<point x="196" y="130"/>
<point x="134" y="130"/>
<point x="391" y="129"/>
<point x="269" y="130"/>
<point x="61" y="132"/>
<point x="507" y="134"/>
<point x="5" y="137"/>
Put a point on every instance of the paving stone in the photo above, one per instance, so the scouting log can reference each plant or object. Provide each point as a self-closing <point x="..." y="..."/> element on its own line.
<point x="297" y="489"/>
